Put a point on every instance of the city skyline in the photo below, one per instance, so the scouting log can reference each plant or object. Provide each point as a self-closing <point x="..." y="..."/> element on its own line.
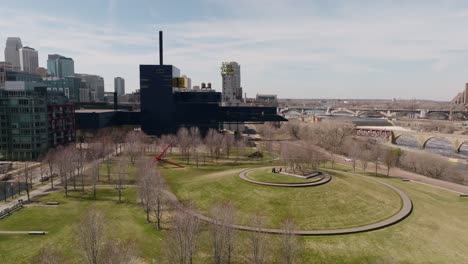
<point x="386" y="50"/>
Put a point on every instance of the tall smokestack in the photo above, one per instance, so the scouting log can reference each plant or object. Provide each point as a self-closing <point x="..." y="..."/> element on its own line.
<point x="160" y="48"/>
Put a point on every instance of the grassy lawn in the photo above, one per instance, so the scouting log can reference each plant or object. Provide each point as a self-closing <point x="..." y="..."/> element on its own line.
<point x="125" y="221"/>
<point x="114" y="170"/>
<point x="436" y="231"/>
<point x="345" y="201"/>
<point x="265" y="175"/>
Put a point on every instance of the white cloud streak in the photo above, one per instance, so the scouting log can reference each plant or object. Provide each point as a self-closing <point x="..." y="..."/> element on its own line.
<point x="355" y="53"/>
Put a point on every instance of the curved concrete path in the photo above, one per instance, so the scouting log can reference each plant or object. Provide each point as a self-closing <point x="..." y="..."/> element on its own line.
<point x="243" y="176"/>
<point x="405" y="211"/>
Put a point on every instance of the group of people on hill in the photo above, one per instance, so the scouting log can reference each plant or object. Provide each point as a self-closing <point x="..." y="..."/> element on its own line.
<point x="275" y="170"/>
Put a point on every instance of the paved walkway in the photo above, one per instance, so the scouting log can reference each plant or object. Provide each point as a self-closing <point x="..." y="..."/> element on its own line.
<point x="402" y="214"/>
<point x="40" y="189"/>
<point x="22" y="232"/>
<point x="243" y="175"/>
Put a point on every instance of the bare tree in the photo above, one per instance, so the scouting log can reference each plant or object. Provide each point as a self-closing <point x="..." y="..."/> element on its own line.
<point x="391" y="158"/>
<point x="50" y="160"/>
<point x="134" y="144"/>
<point x="214" y="141"/>
<point x="376" y="153"/>
<point x="122" y="176"/>
<point x="258" y="242"/>
<point x="228" y="142"/>
<point x="184" y="142"/>
<point x="27" y="177"/>
<point x="90" y="233"/>
<point x="158" y="197"/>
<point x="196" y="142"/>
<point x="93" y="159"/>
<point x="332" y="136"/>
<point x="151" y="190"/>
<point x="75" y="163"/>
<point x="289" y="244"/>
<point x="410" y="161"/>
<point x="117" y="137"/>
<point x="183" y="238"/>
<point x="354" y="150"/>
<point x="106" y="142"/>
<point x="293" y="129"/>
<point x="49" y="255"/>
<point x="365" y="157"/>
<point x="115" y="251"/>
<point x="426" y="164"/>
<point x="240" y="146"/>
<point x="222" y="236"/>
<point x="144" y="185"/>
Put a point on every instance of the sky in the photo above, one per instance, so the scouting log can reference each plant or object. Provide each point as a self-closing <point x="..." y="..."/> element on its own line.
<point x="296" y="49"/>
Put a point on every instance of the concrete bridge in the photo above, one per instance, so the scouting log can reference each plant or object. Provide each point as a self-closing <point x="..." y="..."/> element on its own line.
<point x="393" y="133"/>
<point x="384" y="113"/>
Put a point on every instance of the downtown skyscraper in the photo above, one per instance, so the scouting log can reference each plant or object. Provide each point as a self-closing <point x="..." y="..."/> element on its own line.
<point x="119" y="86"/>
<point x="232" y="90"/>
<point x="60" y="66"/>
<point x="13" y="45"/>
<point x="29" y="59"/>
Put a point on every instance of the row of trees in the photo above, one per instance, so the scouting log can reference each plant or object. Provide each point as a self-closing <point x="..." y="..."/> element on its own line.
<point x="431" y="165"/>
<point x="303" y="159"/>
<point x="98" y="245"/>
<point x="225" y="244"/>
<point x="336" y="139"/>
<point x="191" y="144"/>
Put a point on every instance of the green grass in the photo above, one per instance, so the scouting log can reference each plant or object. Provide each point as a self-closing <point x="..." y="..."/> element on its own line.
<point x="125" y="221"/>
<point x="103" y="176"/>
<point x="265" y="175"/>
<point x="345" y="201"/>
<point x="436" y="231"/>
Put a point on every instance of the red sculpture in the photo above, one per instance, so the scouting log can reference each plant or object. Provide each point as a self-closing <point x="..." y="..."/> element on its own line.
<point x="160" y="159"/>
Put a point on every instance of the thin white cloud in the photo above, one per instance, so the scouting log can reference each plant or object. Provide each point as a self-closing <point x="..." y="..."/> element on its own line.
<point x="340" y="52"/>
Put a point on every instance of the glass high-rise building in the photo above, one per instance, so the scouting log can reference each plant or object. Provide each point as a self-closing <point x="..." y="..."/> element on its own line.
<point x="60" y="66"/>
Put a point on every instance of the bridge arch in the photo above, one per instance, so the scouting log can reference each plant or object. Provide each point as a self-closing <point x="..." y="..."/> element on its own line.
<point x="397" y="136"/>
<point x="374" y="113"/>
<point x="458" y="148"/>
<point x="426" y="140"/>
<point x="342" y="110"/>
<point x="459" y="116"/>
<point x="438" y="114"/>
<point x="293" y="111"/>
